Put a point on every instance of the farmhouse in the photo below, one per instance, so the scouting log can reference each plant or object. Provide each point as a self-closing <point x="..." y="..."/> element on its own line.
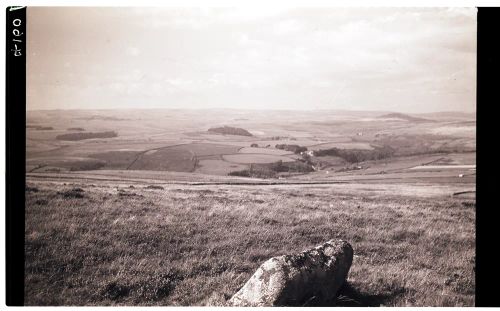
<point x="308" y="152"/>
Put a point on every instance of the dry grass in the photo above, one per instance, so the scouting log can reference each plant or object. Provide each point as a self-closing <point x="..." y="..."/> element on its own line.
<point x="198" y="245"/>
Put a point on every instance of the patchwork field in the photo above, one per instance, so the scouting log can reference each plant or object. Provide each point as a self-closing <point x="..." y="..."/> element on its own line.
<point x="248" y="158"/>
<point x="168" y="213"/>
<point x="146" y="142"/>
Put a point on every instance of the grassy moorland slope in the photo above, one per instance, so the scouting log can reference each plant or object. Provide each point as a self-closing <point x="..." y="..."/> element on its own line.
<point x="104" y="244"/>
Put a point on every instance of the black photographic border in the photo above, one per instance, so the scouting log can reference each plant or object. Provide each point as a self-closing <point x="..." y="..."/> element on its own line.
<point x="15" y="114"/>
<point x="488" y="91"/>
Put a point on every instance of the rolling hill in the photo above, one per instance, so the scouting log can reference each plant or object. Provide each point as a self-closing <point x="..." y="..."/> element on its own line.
<point x="403" y="116"/>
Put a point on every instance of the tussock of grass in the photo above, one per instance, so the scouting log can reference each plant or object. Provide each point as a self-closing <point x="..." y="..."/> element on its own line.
<point x="198" y="246"/>
<point x="154" y="187"/>
<point x="76" y="193"/>
<point x="31" y="189"/>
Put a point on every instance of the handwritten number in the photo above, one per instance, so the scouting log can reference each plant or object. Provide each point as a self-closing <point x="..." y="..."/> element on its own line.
<point x="13" y="8"/>
<point x="16" y="32"/>
<point x="17" y="52"/>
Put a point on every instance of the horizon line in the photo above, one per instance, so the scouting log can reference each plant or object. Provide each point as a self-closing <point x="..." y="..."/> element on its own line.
<point x="251" y="109"/>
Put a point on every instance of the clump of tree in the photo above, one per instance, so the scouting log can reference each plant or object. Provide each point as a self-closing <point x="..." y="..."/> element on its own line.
<point x="40" y="127"/>
<point x="254" y="145"/>
<point x="358" y="155"/>
<point x="80" y="129"/>
<point x="253" y="173"/>
<point x="90" y="135"/>
<point x="281" y="138"/>
<point x="228" y="130"/>
<point x="306" y="158"/>
<point x="272" y="170"/>
<point x="293" y="148"/>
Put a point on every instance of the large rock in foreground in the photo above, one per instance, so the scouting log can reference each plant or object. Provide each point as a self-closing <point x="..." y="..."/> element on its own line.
<point x="295" y="280"/>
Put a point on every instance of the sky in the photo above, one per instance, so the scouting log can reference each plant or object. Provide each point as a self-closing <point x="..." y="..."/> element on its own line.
<point x="410" y="60"/>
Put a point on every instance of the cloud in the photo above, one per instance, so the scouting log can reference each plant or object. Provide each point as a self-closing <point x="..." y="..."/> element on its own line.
<point x="327" y="57"/>
<point x="133" y="51"/>
<point x="286" y="27"/>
